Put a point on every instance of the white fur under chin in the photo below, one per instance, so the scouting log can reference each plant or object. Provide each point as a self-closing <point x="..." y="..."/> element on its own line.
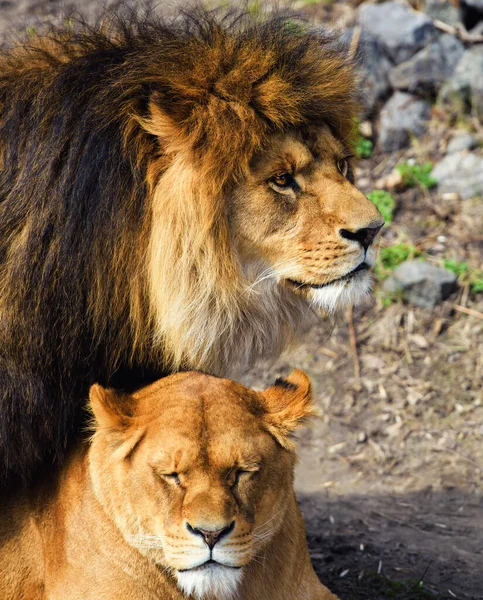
<point x="210" y="582"/>
<point x="340" y="294"/>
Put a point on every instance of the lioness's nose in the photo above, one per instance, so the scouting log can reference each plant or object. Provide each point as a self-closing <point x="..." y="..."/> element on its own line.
<point x="211" y="537"/>
<point x="364" y="236"/>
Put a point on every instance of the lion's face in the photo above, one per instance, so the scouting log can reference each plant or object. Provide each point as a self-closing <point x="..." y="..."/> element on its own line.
<point x="197" y="472"/>
<point x="298" y="218"/>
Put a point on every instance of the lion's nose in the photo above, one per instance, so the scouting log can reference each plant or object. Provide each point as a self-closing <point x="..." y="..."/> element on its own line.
<point x="211" y="537"/>
<point x="364" y="236"/>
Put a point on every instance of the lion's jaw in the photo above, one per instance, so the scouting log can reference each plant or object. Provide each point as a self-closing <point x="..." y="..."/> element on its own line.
<point x="273" y="286"/>
<point x="352" y="288"/>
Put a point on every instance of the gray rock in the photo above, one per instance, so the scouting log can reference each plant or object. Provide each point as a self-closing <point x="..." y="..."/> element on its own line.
<point x="460" y="172"/>
<point x="465" y="88"/>
<point x="374" y="67"/>
<point x="442" y="10"/>
<point x="477" y="4"/>
<point x="375" y="71"/>
<point x="427" y="70"/>
<point x="402" y="116"/>
<point x="461" y="141"/>
<point x="401" y="30"/>
<point x="421" y="283"/>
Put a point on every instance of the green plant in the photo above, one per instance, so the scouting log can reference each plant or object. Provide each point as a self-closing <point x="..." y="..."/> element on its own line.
<point x="477" y="285"/>
<point x="467" y="275"/>
<point x="420" y="175"/>
<point x="389" y="258"/>
<point x="363" y="147"/>
<point x="393" y="256"/>
<point x="387" y="298"/>
<point x="384" y="202"/>
<point x="458" y="268"/>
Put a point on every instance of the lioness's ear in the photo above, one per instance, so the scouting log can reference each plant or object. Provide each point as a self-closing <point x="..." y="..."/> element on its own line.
<point x="288" y="403"/>
<point x="112" y="409"/>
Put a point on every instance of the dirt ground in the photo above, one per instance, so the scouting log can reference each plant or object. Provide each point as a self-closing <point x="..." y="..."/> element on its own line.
<point x="390" y="479"/>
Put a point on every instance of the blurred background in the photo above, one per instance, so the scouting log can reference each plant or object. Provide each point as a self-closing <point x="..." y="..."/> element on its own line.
<point x="390" y="480"/>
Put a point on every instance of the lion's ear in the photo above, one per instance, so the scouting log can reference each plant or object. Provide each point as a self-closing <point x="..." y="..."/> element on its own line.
<point x="112" y="410"/>
<point x="162" y="125"/>
<point x="288" y="404"/>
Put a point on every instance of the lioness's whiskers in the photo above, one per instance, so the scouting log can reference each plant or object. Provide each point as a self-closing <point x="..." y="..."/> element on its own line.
<point x="260" y="528"/>
<point x="145" y="541"/>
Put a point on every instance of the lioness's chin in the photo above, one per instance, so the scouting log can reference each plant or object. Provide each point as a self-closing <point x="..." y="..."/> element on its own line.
<point x="210" y="582"/>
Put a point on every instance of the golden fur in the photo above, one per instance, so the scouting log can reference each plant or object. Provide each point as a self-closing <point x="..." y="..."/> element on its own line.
<point x="187" y="462"/>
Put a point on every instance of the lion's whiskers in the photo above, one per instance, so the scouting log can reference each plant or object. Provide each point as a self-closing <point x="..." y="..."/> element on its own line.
<point x="274" y="272"/>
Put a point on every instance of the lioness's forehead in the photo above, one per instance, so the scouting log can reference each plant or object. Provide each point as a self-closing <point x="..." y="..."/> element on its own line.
<point x="193" y="388"/>
<point x="203" y="416"/>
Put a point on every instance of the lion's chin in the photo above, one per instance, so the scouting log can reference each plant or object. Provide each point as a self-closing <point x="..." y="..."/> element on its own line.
<point x="213" y="581"/>
<point x="339" y="294"/>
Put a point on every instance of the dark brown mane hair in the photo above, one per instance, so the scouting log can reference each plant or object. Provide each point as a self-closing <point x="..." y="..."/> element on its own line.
<point x="118" y="142"/>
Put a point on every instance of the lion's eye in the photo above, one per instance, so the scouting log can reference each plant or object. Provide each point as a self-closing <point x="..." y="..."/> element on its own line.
<point x="171" y="478"/>
<point x="343" y="166"/>
<point x="283" y="181"/>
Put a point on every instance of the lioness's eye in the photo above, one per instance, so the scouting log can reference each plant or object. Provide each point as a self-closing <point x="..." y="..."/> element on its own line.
<point x="171" y="478"/>
<point x="283" y="181"/>
<point x="241" y="474"/>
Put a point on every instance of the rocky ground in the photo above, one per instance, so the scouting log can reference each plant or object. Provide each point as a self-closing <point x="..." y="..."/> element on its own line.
<point x="391" y="477"/>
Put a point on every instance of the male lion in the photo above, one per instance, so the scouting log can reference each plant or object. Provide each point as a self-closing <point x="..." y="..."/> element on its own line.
<point x="173" y="196"/>
<point x="185" y="491"/>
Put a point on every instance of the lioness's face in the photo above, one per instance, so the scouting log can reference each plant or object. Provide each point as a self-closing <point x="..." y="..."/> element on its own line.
<point x="299" y="218"/>
<point x="196" y="478"/>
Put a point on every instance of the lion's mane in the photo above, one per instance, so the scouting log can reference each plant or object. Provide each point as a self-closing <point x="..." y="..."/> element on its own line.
<point x="118" y="145"/>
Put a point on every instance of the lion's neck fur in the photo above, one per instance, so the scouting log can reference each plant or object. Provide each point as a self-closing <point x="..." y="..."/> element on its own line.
<point x="208" y="312"/>
<point x="67" y="546"/>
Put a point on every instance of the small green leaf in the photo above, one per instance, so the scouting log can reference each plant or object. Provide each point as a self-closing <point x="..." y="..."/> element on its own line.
<point x="417" y="175"/>
<point x="363" y="147"/>
<point x="458" y="268"/>
<point x="384" y="202"/>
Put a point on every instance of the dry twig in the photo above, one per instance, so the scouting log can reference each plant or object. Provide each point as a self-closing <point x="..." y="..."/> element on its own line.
<point x="353" y="343"/>
<point x="467" y="311"/>
<point x="459" y="31"/>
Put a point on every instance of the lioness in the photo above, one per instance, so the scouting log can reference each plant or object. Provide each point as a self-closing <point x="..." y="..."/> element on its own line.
<point x="185" y="491"/>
